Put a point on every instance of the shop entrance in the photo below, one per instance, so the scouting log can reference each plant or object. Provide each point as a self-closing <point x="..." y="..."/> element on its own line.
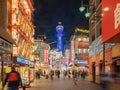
<point x="117" y="66"/>
<point x="93" y="71"/>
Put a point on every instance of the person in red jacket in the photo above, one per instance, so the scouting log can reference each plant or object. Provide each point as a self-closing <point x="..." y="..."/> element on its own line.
<point x="14" y="80"/>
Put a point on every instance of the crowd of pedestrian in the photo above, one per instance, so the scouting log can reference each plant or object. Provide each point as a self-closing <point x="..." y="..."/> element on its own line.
<point x="83" y="74"/>
<point x="80" y="74"/>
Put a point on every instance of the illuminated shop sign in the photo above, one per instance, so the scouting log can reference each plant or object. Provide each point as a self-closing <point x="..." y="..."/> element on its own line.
<point x="81" y="30"/>
<point x="72" y="51"/>
<point x="82" y="62"/>
<point x="45" y="56"/>
<point x="26" y="62"/>
<point x="22" y="60"/>
<point x="110" y="20"/>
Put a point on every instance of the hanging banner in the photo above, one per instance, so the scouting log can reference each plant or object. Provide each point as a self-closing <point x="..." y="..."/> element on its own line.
<point x="111" y="21"/>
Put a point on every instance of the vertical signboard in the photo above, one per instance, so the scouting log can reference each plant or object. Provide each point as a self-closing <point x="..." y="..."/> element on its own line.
<point x="45" y="56"/>
<point x="72" y="51"/>
<point x="110" y="20"/>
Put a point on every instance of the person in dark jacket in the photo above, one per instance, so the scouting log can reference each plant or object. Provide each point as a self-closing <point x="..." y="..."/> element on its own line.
<point x="14" y="80"/>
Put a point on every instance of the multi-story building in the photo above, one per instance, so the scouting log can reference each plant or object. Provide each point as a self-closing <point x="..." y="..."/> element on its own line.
<point x="95" y="37"/>
<point x="79" y="51"/>
<point x="21" y="29"/>
<point x="103" y="57"/>
<point x="41" y="50"/>
<point x="6" y="41"/>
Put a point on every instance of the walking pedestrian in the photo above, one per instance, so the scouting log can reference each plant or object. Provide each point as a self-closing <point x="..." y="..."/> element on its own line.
<point x="14" y="80"/>
<point x="83" y="75"/>
<point x="75" y="77"/>
<point x="58" y="73"/>
<point x="51" y="74"/>
<point x="38" y="74"/>
<point x="69" y="74"/>
<point x="44" y="73"/>
<point x="64" y="74"/>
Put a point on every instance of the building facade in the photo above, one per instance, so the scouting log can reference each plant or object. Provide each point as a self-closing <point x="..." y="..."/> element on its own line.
<point x="103" y="57"/>
<point x="79" y="49"/>
<point x="95" y="39"/>
<point x="6" y="42"/>
<point x="41" y="50"/>
<point x="21" y="29"/>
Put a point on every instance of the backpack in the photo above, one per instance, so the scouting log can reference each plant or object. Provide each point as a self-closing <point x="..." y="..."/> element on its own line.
<point x="13" y="76"/>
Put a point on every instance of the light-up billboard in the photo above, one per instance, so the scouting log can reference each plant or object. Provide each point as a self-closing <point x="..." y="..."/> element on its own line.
<point x="110" y="20"/>
<point x="82" y="62"/>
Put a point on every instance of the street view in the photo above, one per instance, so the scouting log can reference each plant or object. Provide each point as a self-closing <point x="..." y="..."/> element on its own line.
<point x="59" y="44"/>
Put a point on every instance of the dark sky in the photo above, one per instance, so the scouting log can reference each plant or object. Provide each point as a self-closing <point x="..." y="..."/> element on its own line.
<point x="48" y="13"/>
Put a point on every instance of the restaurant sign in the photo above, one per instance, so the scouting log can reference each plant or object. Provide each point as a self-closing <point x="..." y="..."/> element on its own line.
<point x="110" y="20"/>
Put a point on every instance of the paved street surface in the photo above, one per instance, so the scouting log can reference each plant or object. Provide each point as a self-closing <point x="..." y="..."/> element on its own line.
<point x="61" y="84"/>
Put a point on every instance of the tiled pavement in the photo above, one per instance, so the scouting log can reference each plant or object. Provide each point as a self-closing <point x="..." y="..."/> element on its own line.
<point x="61" y="84"/>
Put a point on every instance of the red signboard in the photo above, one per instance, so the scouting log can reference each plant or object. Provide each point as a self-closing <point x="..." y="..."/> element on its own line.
<point x="45" y="56"/>
<point x="110" y="20"/>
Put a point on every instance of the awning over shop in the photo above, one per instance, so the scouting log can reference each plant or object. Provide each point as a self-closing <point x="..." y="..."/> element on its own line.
<point x="6" y="36"/>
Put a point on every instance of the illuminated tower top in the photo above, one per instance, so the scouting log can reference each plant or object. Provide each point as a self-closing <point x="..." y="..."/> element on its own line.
<point x="59" y="28"/>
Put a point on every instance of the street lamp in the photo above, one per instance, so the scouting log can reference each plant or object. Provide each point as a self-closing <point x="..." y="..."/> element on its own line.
<point x="87" y="14"/>
<point x="82" y="9"/>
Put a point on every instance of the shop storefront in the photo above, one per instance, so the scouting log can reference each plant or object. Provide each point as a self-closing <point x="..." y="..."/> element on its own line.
<point x="6" y="50"/>
<point x="97" y="65"/>
<point x="116" y="59"/>
<point x="108" y="60"/>
<point x="93" y="68"/>
<point x="25" y="68"/>
<point x="111" y="22"/>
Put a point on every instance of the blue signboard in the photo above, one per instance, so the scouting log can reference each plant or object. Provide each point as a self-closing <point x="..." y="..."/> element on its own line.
<point x="82" y="62"/>
<point x="24" y="61"/>
<point x="20" y="60"/>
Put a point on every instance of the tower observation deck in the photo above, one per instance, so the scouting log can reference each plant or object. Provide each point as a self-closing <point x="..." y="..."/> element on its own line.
<point x="59" y="30"/>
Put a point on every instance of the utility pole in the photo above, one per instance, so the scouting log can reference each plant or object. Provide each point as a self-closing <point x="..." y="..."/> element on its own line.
<point x="103" y="61"/>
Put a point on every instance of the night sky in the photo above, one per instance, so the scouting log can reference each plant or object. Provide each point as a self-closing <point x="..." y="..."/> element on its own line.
<point x="48" y="13"/>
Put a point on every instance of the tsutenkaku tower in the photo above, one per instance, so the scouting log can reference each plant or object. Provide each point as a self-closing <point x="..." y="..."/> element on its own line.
<point x="59" y="30"/>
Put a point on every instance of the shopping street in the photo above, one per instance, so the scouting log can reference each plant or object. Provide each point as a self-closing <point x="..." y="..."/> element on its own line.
<point x="67" y="84"/>
<point x="61" y="84"/>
